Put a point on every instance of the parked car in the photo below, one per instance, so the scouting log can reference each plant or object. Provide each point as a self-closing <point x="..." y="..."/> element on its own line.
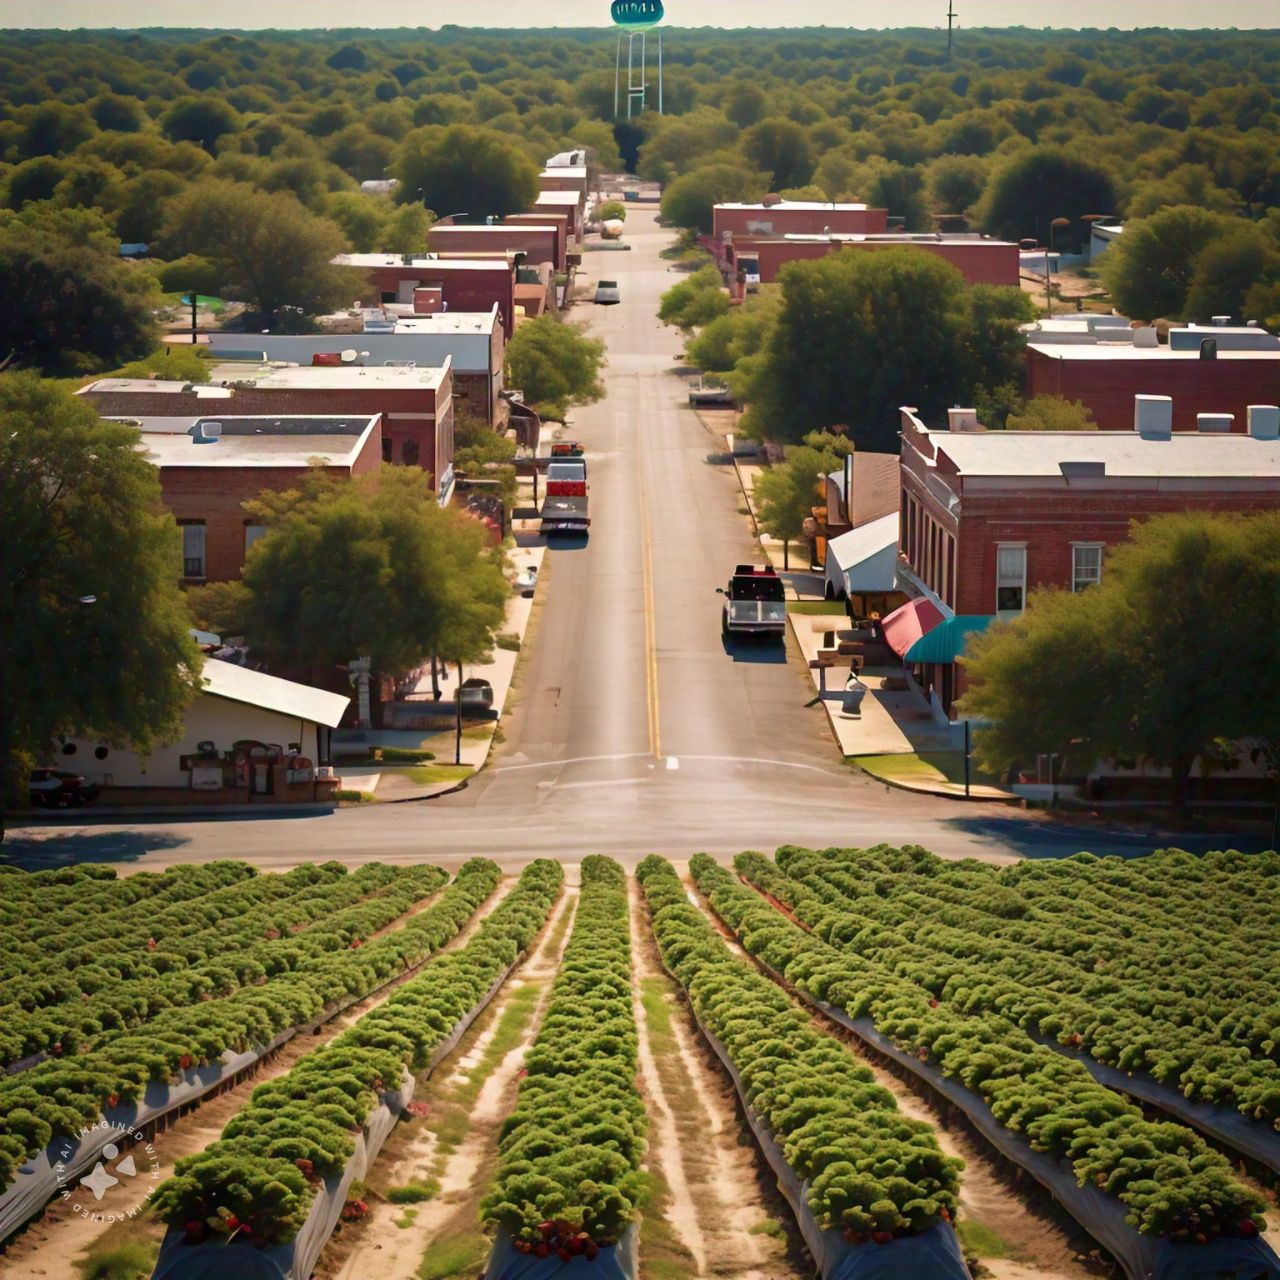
<point x="53" y="788"/>
<point x="607" y="293"/>
<point x="477" y="692"/>
<point x="527" y="580"/>
<point x="705" y="395"/>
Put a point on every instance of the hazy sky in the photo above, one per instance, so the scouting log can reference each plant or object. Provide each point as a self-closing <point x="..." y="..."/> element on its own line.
<point x="547" y="13"/>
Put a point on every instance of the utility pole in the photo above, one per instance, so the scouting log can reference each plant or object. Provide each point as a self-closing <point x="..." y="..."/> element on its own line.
<point x="951" y="17"/>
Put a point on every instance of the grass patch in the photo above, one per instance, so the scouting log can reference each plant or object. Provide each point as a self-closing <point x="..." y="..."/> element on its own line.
<point x="980" y="1241"/>
<point x="657" y="1011"/>
<point x="414" y="1192"/>
<point x="352" y="797"/>
<point x="663" y="1255"/>
<point x="130" y="1261"/>
<point x="405" y="1220"/>
<point x="426" y="775"/>
<point x="477" y="732"/>
<point x="509" y="641"/>
<point x="451" y="1119"/>
<point x="926" y="766"/>
<point x="453" y="1259"/>
<point x="818" y="608"/>
<point x="769" y="1227"/>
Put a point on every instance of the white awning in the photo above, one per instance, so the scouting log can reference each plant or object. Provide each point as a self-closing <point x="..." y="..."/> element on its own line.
<point x="257" y="689"/>
<point x="865" y="559"/>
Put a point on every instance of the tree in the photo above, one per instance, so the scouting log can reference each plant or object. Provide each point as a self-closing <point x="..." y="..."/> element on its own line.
<point x="271" y="251"/>
<point x="1107" y="673"/>
<point x="370" y="568"/>
<point x="555" y="364"/>
<point x="1150" y="268"/>
<point x="727" y="343"/>
<point x="688" y="201"/>
<point x="1043" y="183"/>
<point x="612" y="211"/>
<point x="1227" y="270"/>
<point x="68" y="308"/>
<point x="899" y="188"/>
<point x="780" y="148"/>
<point x="1051" y="413"/>
<point x="93" y="631"/>
<point x="956" y="183"/>
<point x="695" y="301"/>
<point x="786" y="494"/>
<point x="203" y="120"/>
<point x="116" y="113"/>
<point x="865" y="332"/>
<point x="463" y="168"/>
<point x="219" y="607"/>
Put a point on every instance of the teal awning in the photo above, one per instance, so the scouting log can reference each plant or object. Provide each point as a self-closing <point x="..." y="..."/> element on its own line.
<point x="945" y="643"/>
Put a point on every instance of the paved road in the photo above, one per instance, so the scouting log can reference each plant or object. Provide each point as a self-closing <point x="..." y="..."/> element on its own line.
<point x="635" y="730"/>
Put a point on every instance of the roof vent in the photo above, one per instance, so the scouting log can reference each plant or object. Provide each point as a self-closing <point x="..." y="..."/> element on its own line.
<point x="1217" y="423"/>
<point x="1208" y="348"/>
<point x="1146" y="337"/>
<point x="1264" y="421"/>
<point x="1221" y="321"/>
<point x="1081" y="470"/>
<point x="1153" y="417"/>
<point x="206" y="433"/>
<point x="962" y="419"/>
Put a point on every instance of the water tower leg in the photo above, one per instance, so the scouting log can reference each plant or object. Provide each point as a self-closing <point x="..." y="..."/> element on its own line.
<point x="617" y="72"/>
<point x="659" y="70"/>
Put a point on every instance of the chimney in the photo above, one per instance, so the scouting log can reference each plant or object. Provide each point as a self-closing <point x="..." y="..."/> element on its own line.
<point x="1208" y="348"/>
<point x="1153" y="417"/>
<point x="1215" y="422"/>
<point x="962" y="419"/>
<point x="1264" y="421"/>
<point x="848" y="487"/>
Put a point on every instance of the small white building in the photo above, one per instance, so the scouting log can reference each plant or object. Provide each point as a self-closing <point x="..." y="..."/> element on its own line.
<point x="251" y="722"/>
<point x="864" y="561"/>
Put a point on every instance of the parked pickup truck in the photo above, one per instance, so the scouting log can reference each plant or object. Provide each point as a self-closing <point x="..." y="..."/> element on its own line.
<point x="702" y="395"/>
<point x="755" y="603"/>
<point x="564" y="506"/>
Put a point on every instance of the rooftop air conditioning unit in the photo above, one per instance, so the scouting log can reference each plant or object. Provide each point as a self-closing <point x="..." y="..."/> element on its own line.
<point x="206" y="433"/>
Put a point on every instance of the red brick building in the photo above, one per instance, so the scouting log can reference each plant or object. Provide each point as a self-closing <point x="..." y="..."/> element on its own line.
<point x="980" y="260"/>
<point x="988" y="516"/>
<point x="795" y="217"/>
<point x="1105" y="377"/>
<point x="546" y="218"/>
<point x="444" y="284"/>
<point x="210" y="465"/>
<point x="569" y="203"/>
<point x="564" y="177"/>
<point x="415" y="405"/>
<point x="538" y="242"/>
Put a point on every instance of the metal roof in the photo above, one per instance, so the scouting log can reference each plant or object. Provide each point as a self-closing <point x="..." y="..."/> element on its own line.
<point x="257" y="689"/>
<point x="867" y="555"/>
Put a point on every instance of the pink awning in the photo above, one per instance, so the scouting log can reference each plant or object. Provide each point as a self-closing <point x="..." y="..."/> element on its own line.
<point x="905" y="625"/>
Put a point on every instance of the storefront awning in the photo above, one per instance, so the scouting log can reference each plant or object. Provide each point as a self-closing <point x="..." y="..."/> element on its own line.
<point x="945" y="643"/>
<point x="905" y="625"/>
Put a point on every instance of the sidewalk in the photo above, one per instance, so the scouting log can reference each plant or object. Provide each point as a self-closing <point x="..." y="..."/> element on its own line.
<point x="891" y="723"/>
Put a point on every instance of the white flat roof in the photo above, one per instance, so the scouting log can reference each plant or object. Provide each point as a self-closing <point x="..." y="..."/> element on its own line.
<point x="257" y="689"/>
<point x="1126" y="351"/>
<point x="156" y="386"/>
<point x="811" y="205"/>
<point x="272" y="377"/>
<point x="1188" y="454"/>
<point x="170" y="445"/>
<point x="557" y="197"/>
<point x="890" y="237"/>
<point x="571" y="170"/>
<point x="367" y="261"/>
<point x="496" y="229"/>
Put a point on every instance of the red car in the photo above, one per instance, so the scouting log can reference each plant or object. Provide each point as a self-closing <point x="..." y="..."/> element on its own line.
<point x="53" y="788"/>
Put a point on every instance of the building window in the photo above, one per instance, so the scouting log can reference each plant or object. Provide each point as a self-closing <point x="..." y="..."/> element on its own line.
<point x="1011" y="579"/>
<point x="1086" y="565"/>
<point x="386" y="449"/>
<point x="252" y="532"/>
<point x="192" y="548"/>
<point x="409" y="453"/>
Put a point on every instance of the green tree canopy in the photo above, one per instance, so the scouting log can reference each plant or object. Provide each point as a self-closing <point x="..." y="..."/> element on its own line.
<point x="271" y="251"/>
<point x="68" y="308"/>
<point x="204" y="120"/>
<point x="372" y="567"/>
<point x="463" y="168"/>
<point x="555" y="364"/>
<point x="860" y="333"/>
<point x="81" y="520"/>
<point x="1040" y="184"/>
<point x="1112" y="672"/>
<point x="696" y="300"/>
<point x="780" y="148"/>
<point x="612" y="211"/>
<point x="1051" y="413"/>
<point x="689" y="200"/>
<point x="786" y="494"/>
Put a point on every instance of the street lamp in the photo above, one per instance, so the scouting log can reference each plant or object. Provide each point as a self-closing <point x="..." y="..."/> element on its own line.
<point x="1048" y="268"/>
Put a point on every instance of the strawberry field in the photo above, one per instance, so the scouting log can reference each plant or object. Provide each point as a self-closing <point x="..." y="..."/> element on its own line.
<point x="855" y="1062"/>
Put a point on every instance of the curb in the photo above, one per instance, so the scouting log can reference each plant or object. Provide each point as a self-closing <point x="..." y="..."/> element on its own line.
<point x="918" y="790"/>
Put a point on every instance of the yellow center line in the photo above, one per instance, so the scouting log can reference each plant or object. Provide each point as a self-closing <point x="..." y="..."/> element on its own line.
<point x="650" y="625"/>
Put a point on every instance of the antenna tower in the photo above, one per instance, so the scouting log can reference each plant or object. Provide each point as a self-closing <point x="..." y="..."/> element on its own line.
<point x="951" y="17"/>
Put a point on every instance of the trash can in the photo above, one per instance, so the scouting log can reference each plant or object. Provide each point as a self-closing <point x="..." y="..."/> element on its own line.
<point x="851" y="700"/>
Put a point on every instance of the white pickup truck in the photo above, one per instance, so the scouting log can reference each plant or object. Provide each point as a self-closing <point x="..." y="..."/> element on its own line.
<point x="755" y="603"/>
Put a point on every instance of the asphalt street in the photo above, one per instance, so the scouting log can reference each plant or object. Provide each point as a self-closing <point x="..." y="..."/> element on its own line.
<point x="635" y="729"/>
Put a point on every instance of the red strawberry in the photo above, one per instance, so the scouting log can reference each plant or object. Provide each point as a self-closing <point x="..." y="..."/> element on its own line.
<point x="882" y="1237"/>
<point x="541" y="1249"/>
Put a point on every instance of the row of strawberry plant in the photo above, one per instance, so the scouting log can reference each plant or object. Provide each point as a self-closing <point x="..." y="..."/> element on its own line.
<point x="872" y="1172"/>
<point x="59" y="1098"/>
<point x="1170" y="1181"/>
<point x="1098" y="928"/>
<point x="258" y="1181"/>
<point x="959" y="956"/>
<point x="568" y="1178"/>
<point x="258" y="944"/>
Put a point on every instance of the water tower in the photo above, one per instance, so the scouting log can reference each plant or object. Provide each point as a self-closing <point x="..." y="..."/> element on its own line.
<point x="634" y="20"/>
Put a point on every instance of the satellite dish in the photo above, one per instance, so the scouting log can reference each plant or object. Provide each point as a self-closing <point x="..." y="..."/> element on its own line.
<point x="349" y="356"/>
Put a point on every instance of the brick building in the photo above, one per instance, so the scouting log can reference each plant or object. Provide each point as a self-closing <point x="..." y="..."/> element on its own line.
<point x="1105" y="376"/>
<point x="431" y="284"/>
<point x="472" y="344"/>
<point x="210" y="464"/>
<point x="569" y="203"/>
<point x="538" y="242"/>
<point x="564" y="177"/>
<point x="546" y="218"/>
<point x="416" y="405"/>
<point x="988" y="516"/>
<point x="795" y="217"/>
<point x="979" y="259"/>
